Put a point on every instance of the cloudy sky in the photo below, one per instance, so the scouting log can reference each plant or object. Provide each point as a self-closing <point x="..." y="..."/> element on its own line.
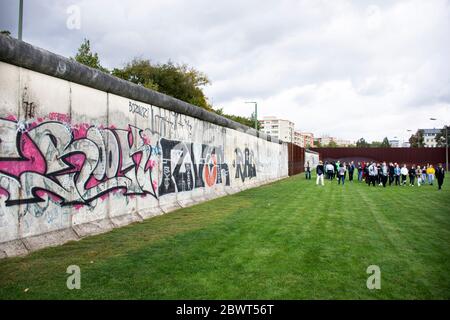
<point x="349" y="69"/>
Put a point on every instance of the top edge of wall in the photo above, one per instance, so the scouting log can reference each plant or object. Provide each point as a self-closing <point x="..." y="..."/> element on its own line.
<point x="25" y="55"/>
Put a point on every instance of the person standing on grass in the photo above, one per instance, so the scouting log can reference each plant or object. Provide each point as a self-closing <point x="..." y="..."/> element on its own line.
<point x="380" y="175"/>
<point x="337" y="165"/>
<point x="351" y="169"/>
<point x="320" y="172"/>
<point x="397" y="174"/>
<point x="366" y="173"/>
<point x="424" y="174"/>
<point x="384" y="174"/>
<point x="391" y="173"/>
<point x="430" y="173"/>
<point x="341" y="173"/>
<point x="440" y="175"/>
<point x="308" y="171"/>
<point x="360" y="171"/>
<point x="412" y="175"/>
<point x="373" y="173"/>
<point x="330" y="171"/>
<point x="419" y="175"/>
<point x="404" y="173"/>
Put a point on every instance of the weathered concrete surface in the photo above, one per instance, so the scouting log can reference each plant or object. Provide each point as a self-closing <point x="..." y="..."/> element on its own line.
<point x="82" y="152"/>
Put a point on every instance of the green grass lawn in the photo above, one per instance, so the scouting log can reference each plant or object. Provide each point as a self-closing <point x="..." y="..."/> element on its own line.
<point x="287" y="240"/>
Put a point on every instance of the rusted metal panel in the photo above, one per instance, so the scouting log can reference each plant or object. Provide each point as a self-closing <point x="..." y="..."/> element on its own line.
<point x="409" y="156"/>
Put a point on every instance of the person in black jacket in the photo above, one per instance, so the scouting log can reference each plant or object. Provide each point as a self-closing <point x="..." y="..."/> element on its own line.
<point x="412" y="175"/>
<point x="320" y="172"/>
<point x="351" y="169"/>
<point x="391" y="173"/>
<point x="440" y="175"/>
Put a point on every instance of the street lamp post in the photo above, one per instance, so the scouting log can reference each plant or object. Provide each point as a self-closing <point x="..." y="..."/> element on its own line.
<point x="256" y="113"/>
<point x="20" y="19"/>
<point x="446" y="144"/>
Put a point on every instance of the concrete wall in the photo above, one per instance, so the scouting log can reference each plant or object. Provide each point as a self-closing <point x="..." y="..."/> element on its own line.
<point x="77" y="161"/>
<point x="312" y="157"/>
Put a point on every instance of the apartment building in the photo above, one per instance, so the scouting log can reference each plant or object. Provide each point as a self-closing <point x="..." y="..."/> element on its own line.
<point x="278" y="128"/>
<point x="429" y="137"/>
<point x="304" y="139"/>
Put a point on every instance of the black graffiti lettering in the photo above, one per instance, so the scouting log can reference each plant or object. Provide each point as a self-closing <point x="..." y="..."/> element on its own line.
<point x="245" y="165"/>
<point x="140" y="110"/>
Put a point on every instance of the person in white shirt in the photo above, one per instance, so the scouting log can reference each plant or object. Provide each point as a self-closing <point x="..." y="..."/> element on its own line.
<point x="330" y="171"/>
<point x="404" y="172"/>
<point x="373" y="173"/>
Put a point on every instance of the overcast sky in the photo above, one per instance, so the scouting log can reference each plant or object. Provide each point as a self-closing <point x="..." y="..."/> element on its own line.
<point x="349" y="69"/>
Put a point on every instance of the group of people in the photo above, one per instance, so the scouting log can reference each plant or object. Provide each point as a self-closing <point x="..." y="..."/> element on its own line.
<point x="381" y="174"/>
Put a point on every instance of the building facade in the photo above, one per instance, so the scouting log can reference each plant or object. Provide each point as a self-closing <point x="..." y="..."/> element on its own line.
<point x="304" y="139"/>
<point x="429" y="137"/>
<point x="325" y="141"/>
<point x="278" y="128"/>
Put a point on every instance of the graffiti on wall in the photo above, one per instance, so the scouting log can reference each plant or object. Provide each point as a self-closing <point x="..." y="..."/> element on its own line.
<point x="245" y="164"/>
<point x="76" y="164"/>
<point x="186" y="166"/>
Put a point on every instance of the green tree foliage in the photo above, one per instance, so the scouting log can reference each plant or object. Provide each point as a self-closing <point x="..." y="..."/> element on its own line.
<point x="440" y="137"/>
<point x="332" y="144"/>
<point x="362" y="143"/>
<point x="416" y="140"/>
<point x="375" y="144"/>
<point x="317" y="143"/>
<point x="89" y="58"/>
<point x="178" y="81"/>
<point x="385" y="143"/>
<point x="248" y="121"/>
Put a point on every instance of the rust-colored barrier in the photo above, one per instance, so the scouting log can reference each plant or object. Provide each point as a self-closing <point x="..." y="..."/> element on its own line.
<point x="296" y="156"/>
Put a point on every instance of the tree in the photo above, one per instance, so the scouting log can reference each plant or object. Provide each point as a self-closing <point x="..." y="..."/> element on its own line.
<point x="179" y="81"/>
<point x="317" y="143"/>
<point x="416" y="140"/>
<point x="362" y="143"/>
<point x="375" y="144"/>
<point x="5" y="32"/>
<point x="385" y="143"/>
<point x="138" y="71"/>
<point x="440" y="138"/>
<point x="332" y="144"/>
<point x="250" y="122"/>
<point x="88" y="58"/>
